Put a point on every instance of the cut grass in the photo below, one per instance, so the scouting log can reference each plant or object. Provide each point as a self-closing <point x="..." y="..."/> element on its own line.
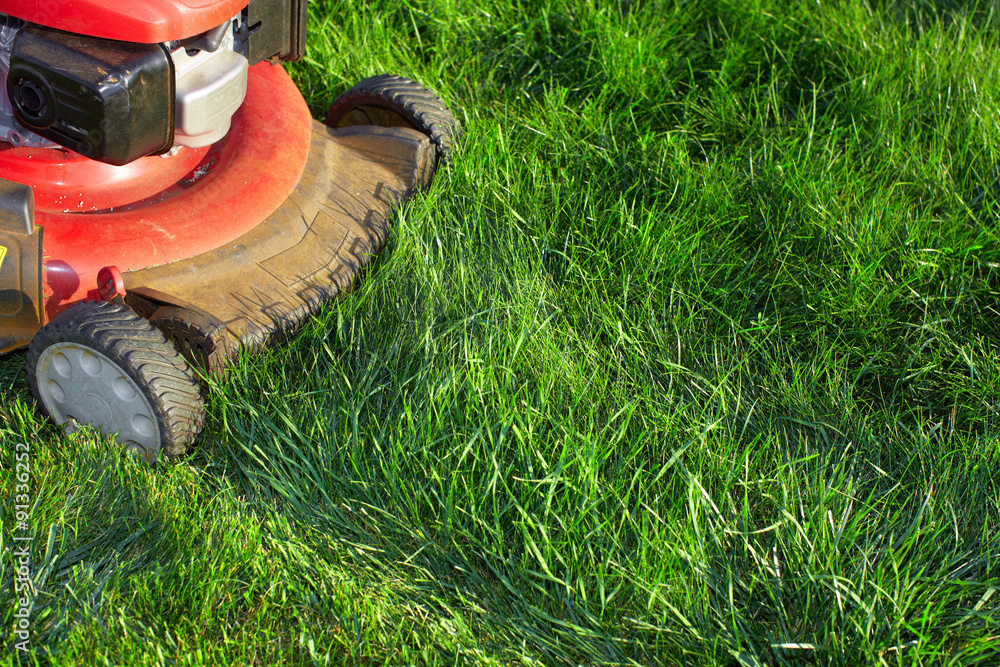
<point x="693" y="357"/>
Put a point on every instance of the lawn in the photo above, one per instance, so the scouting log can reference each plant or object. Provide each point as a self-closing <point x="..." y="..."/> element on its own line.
<point x="691" y="358"/>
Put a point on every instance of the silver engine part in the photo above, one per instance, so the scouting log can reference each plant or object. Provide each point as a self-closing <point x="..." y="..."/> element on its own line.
<point x="211" y="86"/>
<point x="211" y="83"/>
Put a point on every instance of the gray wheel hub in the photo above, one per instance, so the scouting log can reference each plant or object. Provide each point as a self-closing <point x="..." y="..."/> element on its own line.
<point x="79" y="385"/>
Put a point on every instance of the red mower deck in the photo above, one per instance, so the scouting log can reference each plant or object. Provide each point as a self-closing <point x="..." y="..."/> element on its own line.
<point x="263" y="284"/>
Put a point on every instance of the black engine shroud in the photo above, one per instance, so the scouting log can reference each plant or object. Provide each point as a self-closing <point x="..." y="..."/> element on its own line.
<point x="111" y="101"/>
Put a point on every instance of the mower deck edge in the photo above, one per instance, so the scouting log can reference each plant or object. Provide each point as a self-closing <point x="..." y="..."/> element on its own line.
<point x="262" y="286"/>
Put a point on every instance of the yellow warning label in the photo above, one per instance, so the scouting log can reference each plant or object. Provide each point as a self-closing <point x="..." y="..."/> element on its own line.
<point x="3" y="253"/>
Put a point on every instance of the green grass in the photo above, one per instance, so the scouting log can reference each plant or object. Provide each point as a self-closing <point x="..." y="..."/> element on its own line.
<point x="693" y="357"/>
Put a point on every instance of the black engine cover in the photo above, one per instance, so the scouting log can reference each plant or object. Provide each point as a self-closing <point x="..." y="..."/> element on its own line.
<point x="110" y="101"/>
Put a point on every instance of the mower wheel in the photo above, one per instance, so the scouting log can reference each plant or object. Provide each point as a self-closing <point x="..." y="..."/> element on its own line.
<point x="392" y="101"/>
<point x="99" y="363"/>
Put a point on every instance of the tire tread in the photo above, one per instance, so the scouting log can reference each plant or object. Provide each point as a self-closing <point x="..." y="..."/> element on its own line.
<point x="418" y="105"/>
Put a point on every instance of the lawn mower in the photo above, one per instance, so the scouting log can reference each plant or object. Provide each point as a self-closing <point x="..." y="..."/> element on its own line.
<point x="167" y="200"/>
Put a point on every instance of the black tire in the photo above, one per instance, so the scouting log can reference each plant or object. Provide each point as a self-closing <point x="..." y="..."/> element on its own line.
<point x="99" y="349"/>
<point x="393" y="101"/>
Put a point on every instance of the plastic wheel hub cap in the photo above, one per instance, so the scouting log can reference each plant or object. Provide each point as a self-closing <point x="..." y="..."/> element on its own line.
<point x="79" y="384"/>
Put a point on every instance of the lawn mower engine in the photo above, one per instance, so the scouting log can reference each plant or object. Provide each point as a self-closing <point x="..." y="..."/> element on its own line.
<point x="166" y="199"/>
<point x="116" y="101"/>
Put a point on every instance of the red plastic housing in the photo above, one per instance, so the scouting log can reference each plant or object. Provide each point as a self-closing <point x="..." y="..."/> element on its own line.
<point x="147" y="21"/>
<point x="159" y="210"/>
